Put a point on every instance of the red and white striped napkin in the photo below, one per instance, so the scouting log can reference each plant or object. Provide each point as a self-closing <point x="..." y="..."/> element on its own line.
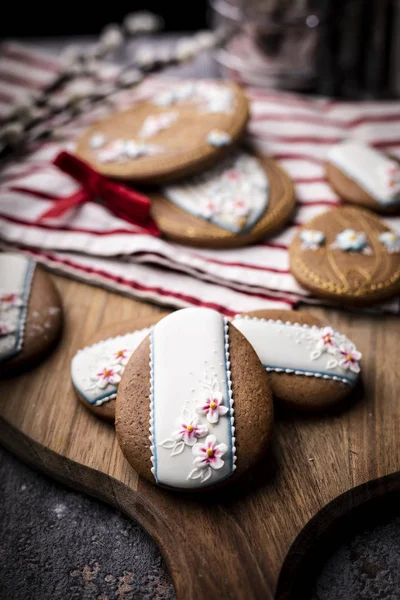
<point x="93" y="245"/>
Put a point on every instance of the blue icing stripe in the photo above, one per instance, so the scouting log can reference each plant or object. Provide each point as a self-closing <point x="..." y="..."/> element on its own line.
<point x="19" y="334"/>
<point x="99" y="399"/>
<point x="316" y="373"/>
<point x="153" y="412"/>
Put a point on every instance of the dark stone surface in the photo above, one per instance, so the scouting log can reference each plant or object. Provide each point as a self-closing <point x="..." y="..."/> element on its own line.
<point x="366" y="567"/>
<point x="56" y="544"/>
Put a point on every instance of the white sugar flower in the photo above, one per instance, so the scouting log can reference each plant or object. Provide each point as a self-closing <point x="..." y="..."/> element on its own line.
<point x="219" y="138"/>
<point x="213" y="407"/>
<point x="10" y="301"/>
<point x="390" y="240"/>
<point x="97" y="140"/>
<point x="350" y="240"/>
<point x="350" y="357"/>
<point x="107" y="376"/>
<point x="190" y="431"/>
<point x="312" y="239"/>
<point x="208" y="457"/>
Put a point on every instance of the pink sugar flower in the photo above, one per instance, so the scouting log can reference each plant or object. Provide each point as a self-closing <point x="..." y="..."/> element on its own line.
<point x="107" y="376"/>
<point x="233" y="174"/>
<point x="212" y="407"/>
<point x="190" y="432"/>
<point x="326" y="342"/>
<point x="209" y="454"/>
<point x="350" y="359"/>
<point x="121" y="357"/>
<point x="4" y="329"/>
<point x="9" y="300"/>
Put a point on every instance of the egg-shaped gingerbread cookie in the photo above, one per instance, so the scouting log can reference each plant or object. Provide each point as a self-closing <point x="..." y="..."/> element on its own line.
<point x="194" y="406"/>
<point x="311" y="365"/>
<point x="364" y="176"/>
<point x="180" y="129"/>
<point x="244" y="197"/>
<point x="30" y="314"/>
<point x="96" y="369"/>
<point x="347" y="255"/>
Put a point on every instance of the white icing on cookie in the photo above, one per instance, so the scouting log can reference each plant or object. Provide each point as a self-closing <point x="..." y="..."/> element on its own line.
<point x="209" y="96"/>
<point x="155" y="123"/>
<point x="373" y="171"/>
<point x="97" y="141"/>
<point x="191" y="405"/>
<point x="16" y="274"/>
<point x="232" y="195"/>
<point x="123" y="150"/>
<point x="96" y="370"/>
<point x="219" y="138"/>
<point x="307" y="350"/>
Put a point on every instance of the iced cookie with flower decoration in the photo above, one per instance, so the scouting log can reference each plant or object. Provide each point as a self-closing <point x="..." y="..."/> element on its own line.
<point x="311" y="365"/>
<point x="362" y="175"/>
<point x="96" y="369"/>
<point x="182" y="128"/>
<point x="356" y="262"/>
<point x="30" y="314"/>
<point x="241" y="199"/>
<point x="189" y="415"/>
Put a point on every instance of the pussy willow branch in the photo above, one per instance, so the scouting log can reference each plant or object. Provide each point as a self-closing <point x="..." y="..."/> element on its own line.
<point x="148" y="61"/>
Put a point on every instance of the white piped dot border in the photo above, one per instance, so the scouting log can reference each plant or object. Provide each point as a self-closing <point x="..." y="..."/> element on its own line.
<point x="230" y="399"/>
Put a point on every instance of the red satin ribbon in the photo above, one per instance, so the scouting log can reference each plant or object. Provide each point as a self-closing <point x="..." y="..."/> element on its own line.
<point x="124" y="202"/>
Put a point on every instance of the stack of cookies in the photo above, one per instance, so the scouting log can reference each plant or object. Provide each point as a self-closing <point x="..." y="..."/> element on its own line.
<point x="187" y="140"/>
<point x="349" y="254"/>
<point x="192" y="392"/>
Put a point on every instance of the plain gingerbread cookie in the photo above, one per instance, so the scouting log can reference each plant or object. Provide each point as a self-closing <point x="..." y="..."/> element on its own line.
<point x="362" y="175"/>
<point x="96" y="369"/>
<point x="194" y="407"/>
<point x="183" y="128"/>
<point x="30" y="314"/>
<point x="311" y="366"/>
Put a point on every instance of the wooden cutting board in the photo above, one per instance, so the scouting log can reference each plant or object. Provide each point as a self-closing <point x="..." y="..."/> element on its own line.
<point x="231" y="543"/>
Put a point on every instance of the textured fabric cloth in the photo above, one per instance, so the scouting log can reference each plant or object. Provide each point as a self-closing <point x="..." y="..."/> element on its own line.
<point x="91" y="244"/>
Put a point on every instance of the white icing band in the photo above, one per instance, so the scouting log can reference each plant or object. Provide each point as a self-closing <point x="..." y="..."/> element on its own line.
<point x="191" y="405"/>
<point x="96" y="370"/>
<point x="371" y="170"/>
<point x="301" y="349"/>
<point x="232" y="195"/>
<point x="16" y="274"/>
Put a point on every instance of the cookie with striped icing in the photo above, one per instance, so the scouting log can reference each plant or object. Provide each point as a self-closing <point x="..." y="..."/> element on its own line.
<point x="239" y="200"/>
<point x="96" y="369"/>
<point x="347" y="255"/>
<point x="179" y="130"/>
<point x="311" y="365"/>
<point x="194" y="406"/>
<point x="30" y="314"/>
<point x="362" y="175"/>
